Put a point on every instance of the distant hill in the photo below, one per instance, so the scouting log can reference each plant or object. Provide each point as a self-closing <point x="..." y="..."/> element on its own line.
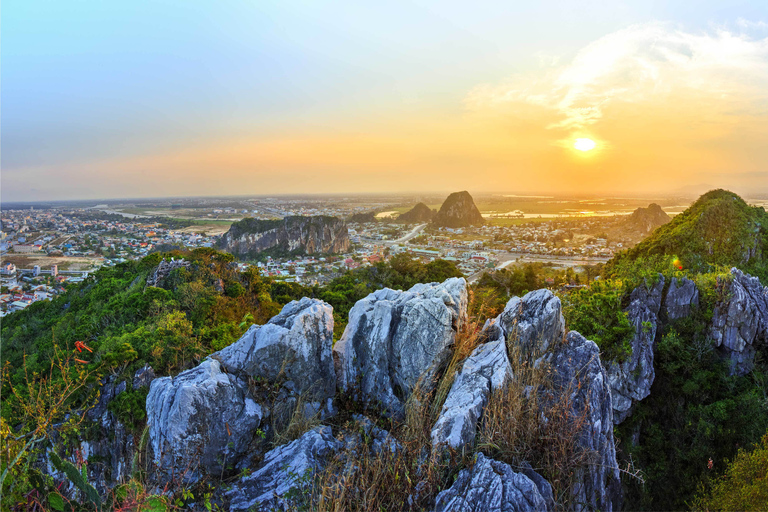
<point x="645" y="220"/>
<point x="718" y="229"/>
<point x="292" y="235"/>
<point x="458" y="211"/>
<point x="363" y="218"/>
<point x="417" y="214"/>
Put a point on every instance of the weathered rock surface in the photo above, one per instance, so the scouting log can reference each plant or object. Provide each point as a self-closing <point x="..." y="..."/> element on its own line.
<point x="486" y="369"/>
<point x="284" y="468"/>
<point x="534" y="321"/>
<point x="165" y="267"/>
<point x="631" y="379"/>
<point x="398" y="339"/>
<point x="492" y="486"/>
<point x="682" y="298"/>
<point x="458" y="211"/>
<point x="296" y="234"/>
<point x="740" y="322"/>
<point x="293" y="347"/>
<point x="577" y="371"/>
<point x="200" y="421"/>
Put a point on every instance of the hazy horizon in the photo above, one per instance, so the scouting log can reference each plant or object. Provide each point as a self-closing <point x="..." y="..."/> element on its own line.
<point x="148" y="100"/>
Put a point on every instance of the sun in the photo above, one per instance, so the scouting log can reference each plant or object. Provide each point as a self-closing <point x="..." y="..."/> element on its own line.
<point x="584" y="144"/>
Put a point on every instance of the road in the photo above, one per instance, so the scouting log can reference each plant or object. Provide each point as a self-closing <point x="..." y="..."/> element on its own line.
<point x="411" y="234"/>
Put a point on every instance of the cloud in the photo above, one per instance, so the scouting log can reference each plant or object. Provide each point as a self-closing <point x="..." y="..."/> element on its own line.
<point x="725" y="72"/>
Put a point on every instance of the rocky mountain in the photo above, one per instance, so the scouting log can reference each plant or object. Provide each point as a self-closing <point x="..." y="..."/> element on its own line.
<point x="645" y="220"/>
<point x="418" y="214"/>
<point x="718" y="229"/>
<point x="458" y="211"/>
<point x="294" y="234"/>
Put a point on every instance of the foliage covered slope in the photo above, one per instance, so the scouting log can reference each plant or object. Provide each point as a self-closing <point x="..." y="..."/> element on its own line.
<point x="719" y="229"/>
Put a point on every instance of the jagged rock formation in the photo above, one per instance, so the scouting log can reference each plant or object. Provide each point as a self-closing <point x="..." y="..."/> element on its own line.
<point x="631" y="379"/>
<point x="284" y="469"/>
<point x="645" y="220"/>
<point x="210" y="415"/>
<point x="200" y="421"/>
<point x="164" y="268"/>
<point x="740" y="322"/>
<point x="492" y="486"/>
<point x="294" y="346"/>
<point x="578" y="372"/>
<point x="486" y="369"/>
<point x="416" y="215"/>
<point x="458" y="211"/>
<point x="397" y="340"/>
<point x="296" y="234"/>
<point x="682" y="298"/>
<point x="534" y="321"/>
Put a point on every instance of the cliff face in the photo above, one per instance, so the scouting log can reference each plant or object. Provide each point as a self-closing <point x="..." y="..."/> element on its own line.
<point x="310" y="235"/>
<point x="458" y="211"/>
<point x="419" y="213"/>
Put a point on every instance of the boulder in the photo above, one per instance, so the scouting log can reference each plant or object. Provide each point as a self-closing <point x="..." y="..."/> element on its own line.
<point x="492" y="486"/>
<point x="578" y="372"/>
<point x="740" y="321"/>
<point x="486" y="369"/>
<point x="682" y="297"/>
<point x="396" y="340"/>
<point x="631" y="379"/>
<point x="285" y="473"/>
<point x="293" y="348"/>
<point x="202" y="420"/>
<point x="535" y="321"/>
<point x="143" y="377"/>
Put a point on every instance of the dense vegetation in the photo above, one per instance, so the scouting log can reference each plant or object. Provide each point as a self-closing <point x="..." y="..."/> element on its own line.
<point x="718" y="229"/>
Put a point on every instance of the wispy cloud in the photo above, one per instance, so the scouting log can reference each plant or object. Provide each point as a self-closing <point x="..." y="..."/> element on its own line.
<point x="726" y="71"/>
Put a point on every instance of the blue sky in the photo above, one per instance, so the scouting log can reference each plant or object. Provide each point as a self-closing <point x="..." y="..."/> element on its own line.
<point x="91" y="88"/>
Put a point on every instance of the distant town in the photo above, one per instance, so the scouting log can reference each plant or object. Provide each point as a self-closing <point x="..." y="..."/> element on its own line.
<point x="45" y="248"/>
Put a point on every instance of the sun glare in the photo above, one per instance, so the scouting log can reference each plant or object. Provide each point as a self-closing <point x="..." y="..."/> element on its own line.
<point x="584" y="144"/>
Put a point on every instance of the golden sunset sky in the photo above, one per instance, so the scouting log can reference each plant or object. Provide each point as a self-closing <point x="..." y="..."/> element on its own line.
<point x="148" y="99"/>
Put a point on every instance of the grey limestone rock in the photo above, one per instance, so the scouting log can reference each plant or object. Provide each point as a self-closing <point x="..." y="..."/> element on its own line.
<point x="284" y="468"/>
<point x="682" y="297"/>
<point x="200" y="421"/>
<point x="740" y="322"/>
<point x="295" y="346"/>
<point x="631" y="379"/>
<point x="486" y="369"/>
<point x="396" y="340"/>
<point x="577" y="371"/>
<point x="535" y="320"/>
<point x="492" y="486"/>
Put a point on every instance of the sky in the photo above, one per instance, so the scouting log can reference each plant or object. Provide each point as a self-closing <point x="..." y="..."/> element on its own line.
<point x="149" y="99"/>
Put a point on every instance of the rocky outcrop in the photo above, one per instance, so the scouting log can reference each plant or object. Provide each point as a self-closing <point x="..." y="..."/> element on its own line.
<point x="158" y="275"/>
<point x="209" y="414"/>
<point x="202" y="420"/>
<point x="645" y="220"/>
<point x="578" y="373"/>
<point x="362" y="218"/>
<point x="631" y="379"/>
<point x="293" y="348"/>
<point x="534" y="321"/>
<point x="486" y="369"/>
<point x="417" y="214"/>
<point x="740" y="321"/>
<point x="492" y="486"/>
<point x="458" y="211"/>
<point x="284" y="473"/>
<point x="396" y="340"/>
<point x="295" y="234"/>
<point x="682" y="298"/>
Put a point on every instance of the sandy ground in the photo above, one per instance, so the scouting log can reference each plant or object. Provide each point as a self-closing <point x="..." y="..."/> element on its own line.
<point x="45" y="261"/>
<point x="208" y="229"/>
